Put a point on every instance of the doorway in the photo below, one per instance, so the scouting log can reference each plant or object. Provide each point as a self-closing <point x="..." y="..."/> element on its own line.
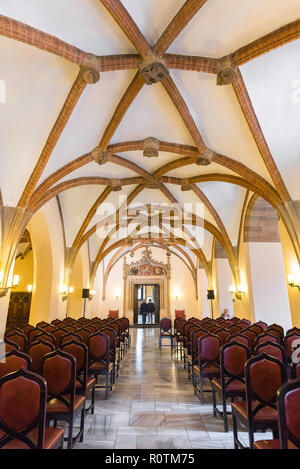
<point x="145" y="292"/>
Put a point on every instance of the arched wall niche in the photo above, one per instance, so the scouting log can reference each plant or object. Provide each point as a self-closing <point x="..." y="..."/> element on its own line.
<point x="48" y="254"/>
<point x="263" y="272"/>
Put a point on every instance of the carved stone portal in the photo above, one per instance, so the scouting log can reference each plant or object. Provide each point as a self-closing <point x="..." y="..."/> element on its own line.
<point x="146" y="271"/>
<point x="153" y="72"/>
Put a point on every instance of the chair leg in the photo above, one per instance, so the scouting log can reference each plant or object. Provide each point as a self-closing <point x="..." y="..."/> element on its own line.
<point x="82" y="424"/>
<point x="93" y="399"/>
<point x="70" y="434"/>
<point x="201" y="389"/>
<point x="195" y="383"/>
<point x="225" y="419"/>
<point x="106" y="384"/>
<point x="214" y="400"/>
<point x="251" y="437"/>
<point x="235" y="431"/>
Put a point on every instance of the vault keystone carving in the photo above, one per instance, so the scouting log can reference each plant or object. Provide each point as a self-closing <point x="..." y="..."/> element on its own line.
<point x="226" y="73"/>
<point x="153" y="71"/>
<point x="151" y="147"/>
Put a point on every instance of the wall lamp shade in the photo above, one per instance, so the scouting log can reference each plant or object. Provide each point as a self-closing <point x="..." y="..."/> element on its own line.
<point x="14" y="283"/>
<point x="294" y="281"/>
<point x="237" y="293"/>
<point x="65" y="291"/>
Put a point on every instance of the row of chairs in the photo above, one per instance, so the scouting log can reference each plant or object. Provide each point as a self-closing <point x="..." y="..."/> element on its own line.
<point x="233" y="355"/>
<point x="69" y="367"/>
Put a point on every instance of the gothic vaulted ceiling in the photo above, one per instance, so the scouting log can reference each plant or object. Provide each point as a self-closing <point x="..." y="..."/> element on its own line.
<point x="210" y="88"/>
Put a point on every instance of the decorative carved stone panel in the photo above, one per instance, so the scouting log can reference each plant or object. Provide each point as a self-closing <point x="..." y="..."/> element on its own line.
<point x="147" y="266"/>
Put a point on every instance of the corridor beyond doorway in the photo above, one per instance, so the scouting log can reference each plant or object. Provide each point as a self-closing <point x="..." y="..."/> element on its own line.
<point x="146" y="293"/>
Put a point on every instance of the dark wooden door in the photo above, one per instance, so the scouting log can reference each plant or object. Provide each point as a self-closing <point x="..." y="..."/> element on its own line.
<point x="156" y="301"/>
<point x="19" y="309"/>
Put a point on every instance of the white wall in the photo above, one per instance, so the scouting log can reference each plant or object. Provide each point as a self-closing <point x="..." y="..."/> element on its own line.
<point x="270" y="296"/>
<point x="203" y="286"/>
<point x="224" y="281"/>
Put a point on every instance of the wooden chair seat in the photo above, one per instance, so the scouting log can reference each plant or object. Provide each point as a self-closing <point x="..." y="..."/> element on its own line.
<point x="271" y="444"/>
<point x="56" y="406"/>
<point x="209" y="370"/>
<point x="89" y="383"/>
<point x="266" y="415"/>
<point x="99" y="366"/>
<point x="234" y="386"/>
<point x="53" y="439"/>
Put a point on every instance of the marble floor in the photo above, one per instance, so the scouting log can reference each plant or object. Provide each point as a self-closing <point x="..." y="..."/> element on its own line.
<point x="153" y="405"/>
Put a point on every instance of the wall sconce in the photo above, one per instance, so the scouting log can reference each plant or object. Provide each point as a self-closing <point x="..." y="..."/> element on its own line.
<point x="293" y="281"/>
<point x="29" y="288"/>
<point x="117" y="294"/>
<point x="92" y="294"/>
<point x="237" y="294"/>
<point x="15" y="283"/>
<point x="65" y="291"/>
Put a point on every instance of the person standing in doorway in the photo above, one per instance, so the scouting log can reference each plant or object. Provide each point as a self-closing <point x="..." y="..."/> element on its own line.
<point x="144" y="311"/>
<point x="151" y="309"/>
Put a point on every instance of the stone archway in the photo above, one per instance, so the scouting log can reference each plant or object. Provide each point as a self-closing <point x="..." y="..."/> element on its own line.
<point x="146" y="271"/>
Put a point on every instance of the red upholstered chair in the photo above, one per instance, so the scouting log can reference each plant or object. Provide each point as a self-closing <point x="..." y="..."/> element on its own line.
<point x="13" y="330"/>
<point x="213" y="328"/>
<point x="19" y="339"/>
<point x="276" y="330"/>
<point x="272" y="349"/>
<point x="208" y="361"/>
<point x="231" y="384"/>
<point x="49" y="328"/>
<point x="251" y="336"/>
<point x="241" y="339"/>
<point x="99" y="360"/>
<point x="84" y="384"/>
<point x="27" y="328"/>
<point x="262" y="324"/>
<point x="37" y="350"/>
<point x="113" y="314"/>
<point x="114" y="350"/>
<point x="256" y="328"/>
<point x="56" y="322"/>
<point x="68" y="337"/>
<point x="264" y="376"/>
<point x="13" y="361"/>
<point x="294" y="330"/>
<point x="84" y="334"/>
<point x="234" y="328"/>
<point x="42" y="325"/>
<point x="43" y="335"/>
<point x="266" y="337"/>
<point x="58" y="335"/>
<point x="245" y="321"/>
<point x="288" y="405"/>
<point x="165" y="332"/>
<point x="179" y="314"/>
<point x="224" y="335"/>
<point x="59" y="370"/>
<point x="178" y="336"/>
<point x="289" y="340"/>
<point x="23" y="413"/>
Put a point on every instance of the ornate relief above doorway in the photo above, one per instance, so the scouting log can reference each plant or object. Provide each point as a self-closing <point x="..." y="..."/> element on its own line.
<point x="146" y="271"/>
